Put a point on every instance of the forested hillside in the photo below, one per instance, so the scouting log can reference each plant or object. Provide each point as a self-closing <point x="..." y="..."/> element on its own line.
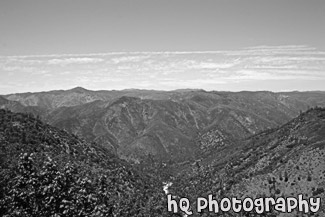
<point x="49" y="172"/>
<point x="282" y="162"/>
<point x="164" y="124"/>
<point x="102" y="153"/>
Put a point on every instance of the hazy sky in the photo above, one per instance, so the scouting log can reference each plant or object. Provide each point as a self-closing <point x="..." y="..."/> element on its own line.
<point x="228" y="44"/>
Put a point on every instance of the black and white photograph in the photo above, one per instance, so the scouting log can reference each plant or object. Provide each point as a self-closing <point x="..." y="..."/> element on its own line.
<point x="149" y="108"/>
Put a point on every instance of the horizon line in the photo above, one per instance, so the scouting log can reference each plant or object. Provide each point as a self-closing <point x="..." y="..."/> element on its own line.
<point x="157" y="90"/>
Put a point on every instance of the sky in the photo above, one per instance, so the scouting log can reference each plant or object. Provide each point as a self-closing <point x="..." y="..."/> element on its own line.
<point x="231" y="45"/>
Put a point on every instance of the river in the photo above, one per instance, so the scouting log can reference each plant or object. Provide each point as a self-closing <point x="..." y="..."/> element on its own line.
<point x="166" y="185"/>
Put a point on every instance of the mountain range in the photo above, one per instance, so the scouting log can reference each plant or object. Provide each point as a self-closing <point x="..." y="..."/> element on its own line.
<point x="243" y="144"/>
<point x="164" y="124"/>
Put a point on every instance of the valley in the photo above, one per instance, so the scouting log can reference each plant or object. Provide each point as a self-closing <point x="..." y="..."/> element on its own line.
<point x="163" y="124"/>
<point x="190" y="143"/>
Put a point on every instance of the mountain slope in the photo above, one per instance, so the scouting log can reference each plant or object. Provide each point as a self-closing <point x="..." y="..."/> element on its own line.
<point x="133" y="127"/>
<point x="167" y="129"/>
<point x="77" y="96"/>
<point x="281" y="162"/>
<point x="16" y="106"/>
<point x="48" y="172"/>
<point x="166" y="124"/>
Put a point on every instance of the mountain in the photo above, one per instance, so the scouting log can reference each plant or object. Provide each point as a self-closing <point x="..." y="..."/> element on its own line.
<point x="57" y="98"/>
<point x="166" y="124"/>
<point x="243" y="144"/>
<point x="290" y="159"/>
<point x="133" y="127"/>
<point x="46" y="171"/>
<point x="77" y="96"/>
<point x="12" y="105"/>
<point x="280" y="162"/>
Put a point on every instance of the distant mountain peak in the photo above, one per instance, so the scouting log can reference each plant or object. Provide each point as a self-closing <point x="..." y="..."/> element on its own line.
<point x="78" y="89"/>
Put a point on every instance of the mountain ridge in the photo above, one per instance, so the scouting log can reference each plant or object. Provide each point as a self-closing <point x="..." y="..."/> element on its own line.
<point x="282" y="162"/>
<point x="245" y="144"/>
<point x="135" y="123"/>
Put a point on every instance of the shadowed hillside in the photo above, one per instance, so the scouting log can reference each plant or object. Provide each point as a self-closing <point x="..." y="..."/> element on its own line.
<point x="46" y="171"/>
